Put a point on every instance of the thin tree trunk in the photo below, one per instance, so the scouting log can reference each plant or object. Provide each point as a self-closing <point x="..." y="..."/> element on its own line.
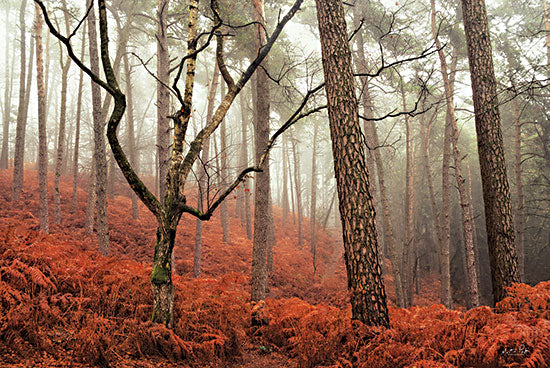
<point x="313" y="201"/>
<point x="496" y="192"/>
<point x="163" y="97"/>
<point x="99" y="143"/>
<point x="202" y="176"/>
<point x="43" y="149"/>
<point x="285" y="163"/>
<point x="298" y="188"/>
<point x="130" y="129"/>
<point x="224" y="215"/>
<point x="520" y="199"/>
<point x="368" y="296"/>
<point x="246" y="218"/>
<point x="62" y="123"/>
<point x="22" y="110"/>
<point x="77" y="130"/>
<point x="329" y="211"/>
<point x="7" y="98"/>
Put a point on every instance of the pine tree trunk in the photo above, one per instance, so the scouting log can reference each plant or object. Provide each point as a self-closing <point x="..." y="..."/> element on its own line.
<point x="163" y="97"/>
<point x="245" y="192"/>
<point x="285" y="163"/>
<point x="313" y="202"/>
<point x="99" y="143"/>
<point x="224" y="213"/>
<point x="368" y="297"/>
<point x="23" y="107"/>
<point x="7" y="99"/>
<point x="43" y="149"/>
<point x="496" y="192"/>
<point x="202" y="176"/>
<point x="520" y="199"/>
<point x="90" y="202"/>
<point x="298" y="188"/>
<point x="262" y="192"/>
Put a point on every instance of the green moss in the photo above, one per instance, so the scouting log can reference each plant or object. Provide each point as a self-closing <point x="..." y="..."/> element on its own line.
<point x="160" y="275"/>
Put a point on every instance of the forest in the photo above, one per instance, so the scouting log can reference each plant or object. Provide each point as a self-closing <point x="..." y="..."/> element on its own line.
<point x="255" y="183"/>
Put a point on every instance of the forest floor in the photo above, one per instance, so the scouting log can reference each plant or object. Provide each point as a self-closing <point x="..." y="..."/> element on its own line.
<point x="62" y="304"/>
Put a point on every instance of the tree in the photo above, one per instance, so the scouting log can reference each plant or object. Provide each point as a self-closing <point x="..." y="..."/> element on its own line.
<point x="368" y="296"/>
<point x="168" y="210"/>
<point x="43" y="149"/>
<point x="496" y="192"/>
<point x="7" y="99"/>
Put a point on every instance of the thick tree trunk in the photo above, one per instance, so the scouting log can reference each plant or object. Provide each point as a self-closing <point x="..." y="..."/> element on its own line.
<point x="99" y="143"/>
<point x="368" y="297"/>
<point x="43" y="149"/>
<point x="4" y="159"/>
<point x="262" y="192"/>
<point x="520" y="199"/>
<point x="496" y="192"/>
<point x="298" y="188"/>
<point x="22" y="110"/>
<point x="161" y="277"/>
<point x="163" y="97"/>
<point x="202" y="176"/>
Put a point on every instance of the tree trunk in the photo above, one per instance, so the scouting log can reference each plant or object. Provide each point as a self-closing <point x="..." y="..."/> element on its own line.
<point x="313" y="202"/>
<point x="285" y="163"/>
<point x="43" y="149"/>
<point x="224" y="213"/>
<point x="368" y="296"/>
<point x="496" y="192"/>
<point x="62" y="123"/>
<point x="99" y="143"/>
<point x="408" y="241"/>
<point x="90" y="203"/>
<point x="202" y="176"/>
<point x="22" y="110"/>
<point x="161" y="276"/>
<point x="163" y="97"/>
<point x="520" y="199"/>
<point x="246" y="219"/>
<point x="7" y="99"/>
<point x="130" y="129"/>
<point x="262" y="192"/>
<point x="298" y="188"/>
<point x="77" y="130"/>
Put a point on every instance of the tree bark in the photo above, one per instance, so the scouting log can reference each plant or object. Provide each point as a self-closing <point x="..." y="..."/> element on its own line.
<point x="520" y="199"/>
<point x="99" y="143"/>
<point x="130" y="129"/>
<point x="285" y="163"/>
<point x="163" y="97"/>
<point x="368" y="296"/>
<point x="43" y="149"/>
<point x="202" y="176"/>
<point x="313" y="201"/>
<point x="4" y="154"/>
<point x="246" y="220"/>
<point x="262" y="192"/>
<point x="298" y="188"/>
<point x="22" y="110"/>
<point x="224" y="213"/>
<point x="62" y="123"/>
<point x="77" y="129"/>
<point x="496" y="192"/>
